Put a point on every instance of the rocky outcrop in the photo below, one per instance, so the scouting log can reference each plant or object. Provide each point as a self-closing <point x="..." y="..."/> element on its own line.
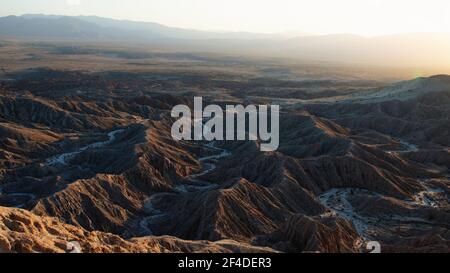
<point x="24" y="232"/>
<point x="325" y="234"/>
<point x="238" y="210"/>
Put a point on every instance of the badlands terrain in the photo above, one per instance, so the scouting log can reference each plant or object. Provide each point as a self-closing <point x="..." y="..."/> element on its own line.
<point x="86" y="155"/>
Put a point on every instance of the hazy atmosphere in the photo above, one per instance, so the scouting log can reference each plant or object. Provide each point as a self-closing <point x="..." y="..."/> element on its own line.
<point x="413" y="36"/>
<point x="363" y="17"/>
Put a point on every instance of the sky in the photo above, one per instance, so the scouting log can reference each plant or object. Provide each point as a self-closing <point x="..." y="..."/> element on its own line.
<point x="362" y="17"/>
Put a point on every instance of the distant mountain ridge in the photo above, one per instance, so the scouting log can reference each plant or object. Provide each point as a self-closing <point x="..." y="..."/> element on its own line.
<point x="63" y="27"/>
<point x="407" y="90"/>
<point x="104" y="28"/>
<point x="420" y="50"/>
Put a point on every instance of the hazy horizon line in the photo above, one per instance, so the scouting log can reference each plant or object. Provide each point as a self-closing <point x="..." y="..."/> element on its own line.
<point x="286" y="32"/>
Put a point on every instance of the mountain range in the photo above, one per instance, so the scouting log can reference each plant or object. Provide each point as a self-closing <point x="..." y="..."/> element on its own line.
<point x="421" y="50"/>
<point x="94" y="27"/>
